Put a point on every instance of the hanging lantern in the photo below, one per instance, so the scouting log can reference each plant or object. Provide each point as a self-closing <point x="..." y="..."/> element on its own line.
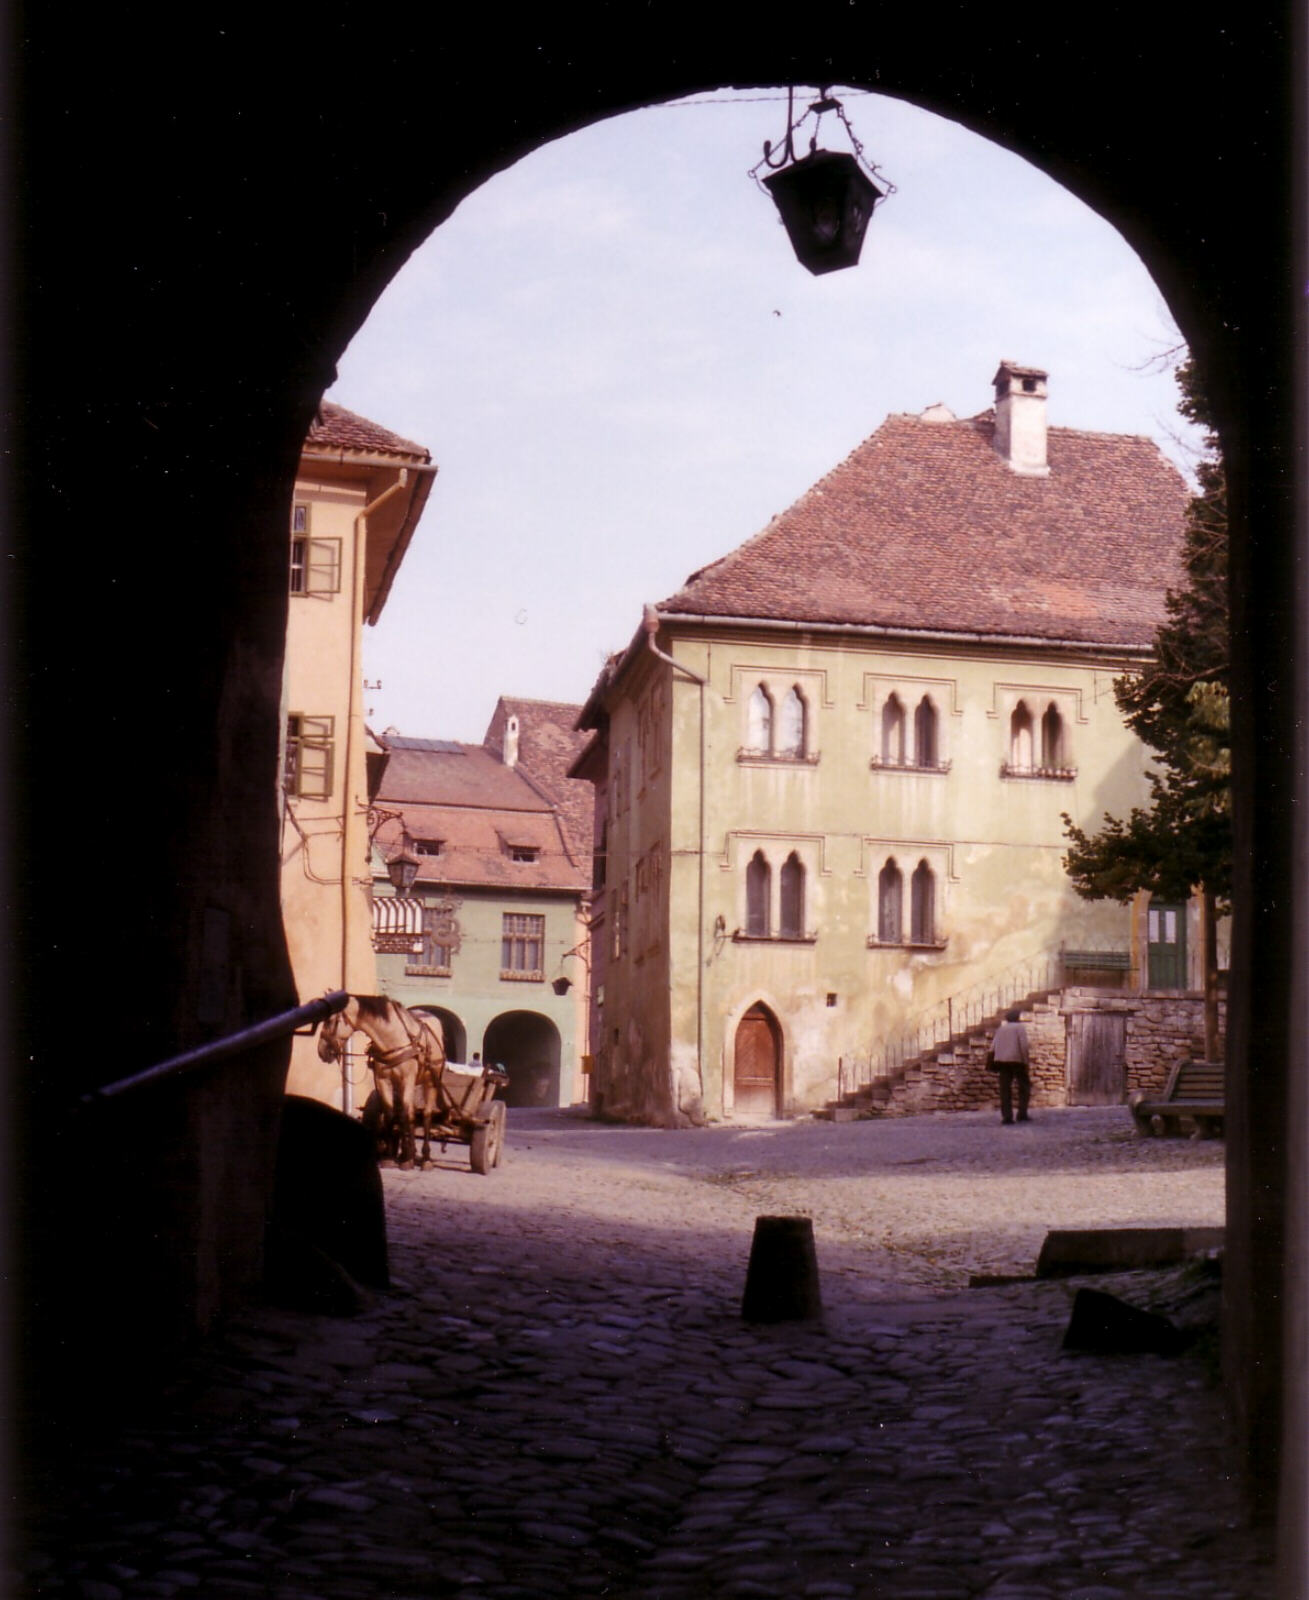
<point x="402" y="869"/>
<point x="825" y="198"/>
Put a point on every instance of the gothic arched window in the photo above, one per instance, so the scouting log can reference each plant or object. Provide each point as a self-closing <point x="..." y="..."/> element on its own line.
<point x="758" y="895"/>
<point x="791" y="885"/>
<point x="791" y="725"/>
<point x="925" y="753"/>
<point x="1020" y="738"/>
<point x="922" y="906"/>
<point x="1052" y="738"/>
<point x="893" y="742"/>
<point x="890" y="896"/>
<point x="759" y="721"/>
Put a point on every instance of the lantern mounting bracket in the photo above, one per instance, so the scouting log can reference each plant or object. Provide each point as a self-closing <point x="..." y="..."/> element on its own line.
<point x="776" y="157"/>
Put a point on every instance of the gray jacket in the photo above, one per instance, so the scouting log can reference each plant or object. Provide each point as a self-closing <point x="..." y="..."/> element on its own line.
<point x="1010" y="1043"/>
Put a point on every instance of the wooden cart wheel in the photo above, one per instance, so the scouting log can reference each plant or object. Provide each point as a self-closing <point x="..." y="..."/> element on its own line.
<point x="488" y="1139"/>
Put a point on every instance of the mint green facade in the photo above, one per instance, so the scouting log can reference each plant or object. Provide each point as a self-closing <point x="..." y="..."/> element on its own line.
<point x="515" y="1018"/>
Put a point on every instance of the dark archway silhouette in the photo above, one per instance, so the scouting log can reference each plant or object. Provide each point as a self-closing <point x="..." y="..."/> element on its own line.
<point x="528" y="1046"/>
<point x="175" y="332"/>
<point x="456" y="1035"/>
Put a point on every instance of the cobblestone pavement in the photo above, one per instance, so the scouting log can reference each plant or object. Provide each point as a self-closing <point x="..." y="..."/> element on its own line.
<point x="559" y="1396"/>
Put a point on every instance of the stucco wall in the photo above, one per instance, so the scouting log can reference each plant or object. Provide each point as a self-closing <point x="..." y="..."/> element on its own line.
<point x="675" y="992"/>
<point x="994" y="844"/>
<point x="477" y="994"/>
<point x="324" y="889"/>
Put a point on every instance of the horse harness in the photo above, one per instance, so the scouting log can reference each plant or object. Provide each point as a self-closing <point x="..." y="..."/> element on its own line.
<point x="419" y="1046"/>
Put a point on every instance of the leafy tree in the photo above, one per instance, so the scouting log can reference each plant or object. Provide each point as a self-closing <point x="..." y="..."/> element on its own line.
<point x="1179" y="706"/>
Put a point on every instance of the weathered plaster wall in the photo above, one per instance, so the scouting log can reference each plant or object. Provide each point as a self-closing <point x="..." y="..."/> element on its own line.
<point x="325" y="894"/>
<point x="994" y="845"/>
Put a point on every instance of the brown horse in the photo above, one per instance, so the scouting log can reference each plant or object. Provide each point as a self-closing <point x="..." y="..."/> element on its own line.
<point x="406" y="1053"/>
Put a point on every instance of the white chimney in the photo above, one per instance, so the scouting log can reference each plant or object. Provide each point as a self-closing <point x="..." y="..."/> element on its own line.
<point x="511" y="742"/>
<point x="1020" y="419"/>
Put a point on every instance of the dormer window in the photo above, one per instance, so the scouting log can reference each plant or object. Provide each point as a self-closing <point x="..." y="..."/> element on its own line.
<point x="524" y="852"/>
<point x="428" y="847"/>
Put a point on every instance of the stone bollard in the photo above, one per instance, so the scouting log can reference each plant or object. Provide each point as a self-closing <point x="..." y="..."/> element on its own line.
<point x="781" y="1281"/>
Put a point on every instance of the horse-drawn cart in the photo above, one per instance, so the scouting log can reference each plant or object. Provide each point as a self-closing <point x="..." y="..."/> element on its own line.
<point x="417" y="1086"/>
<point x="467" y="1111"/>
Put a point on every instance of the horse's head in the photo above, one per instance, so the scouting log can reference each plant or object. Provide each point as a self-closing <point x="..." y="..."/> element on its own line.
<point x="332" y="1035"/>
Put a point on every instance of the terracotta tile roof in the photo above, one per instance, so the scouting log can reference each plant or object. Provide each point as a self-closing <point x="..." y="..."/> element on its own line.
<point x="474" y="848"/>
<point x="336" y="428"/>
<point x="454" y="775"/>
<point x="923" y="526"/>
<point x="548" y="744"/>
<point x="464" y="795"/>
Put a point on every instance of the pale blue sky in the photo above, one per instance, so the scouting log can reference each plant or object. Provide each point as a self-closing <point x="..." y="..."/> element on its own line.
<point x="623" y="372"/>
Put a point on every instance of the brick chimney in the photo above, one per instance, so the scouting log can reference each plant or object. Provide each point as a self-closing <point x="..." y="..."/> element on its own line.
<point x="1020" y="419"/>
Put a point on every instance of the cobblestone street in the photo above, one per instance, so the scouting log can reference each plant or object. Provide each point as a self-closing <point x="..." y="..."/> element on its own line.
<point x="559" y="1396"/>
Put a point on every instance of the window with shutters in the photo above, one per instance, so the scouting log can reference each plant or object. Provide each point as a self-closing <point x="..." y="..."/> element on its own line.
<point x="310" y="756"/>
<point x="315" y="563"/>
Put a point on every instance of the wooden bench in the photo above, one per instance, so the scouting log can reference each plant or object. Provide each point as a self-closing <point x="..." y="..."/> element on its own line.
<point x="1194" y="1092"/>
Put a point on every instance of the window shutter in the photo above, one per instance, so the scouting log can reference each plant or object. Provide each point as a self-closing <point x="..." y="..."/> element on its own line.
<point x="323" y="566"/>
<point x="315" y="754"/>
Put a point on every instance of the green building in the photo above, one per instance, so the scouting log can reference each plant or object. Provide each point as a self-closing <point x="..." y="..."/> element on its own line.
<point x="492" y="936"/>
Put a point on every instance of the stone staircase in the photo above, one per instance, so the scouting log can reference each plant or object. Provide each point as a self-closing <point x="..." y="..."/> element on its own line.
<point x="950" y="1076"/>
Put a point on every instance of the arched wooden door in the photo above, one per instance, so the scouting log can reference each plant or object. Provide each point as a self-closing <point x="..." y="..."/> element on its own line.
<point x="757" y="1064"/>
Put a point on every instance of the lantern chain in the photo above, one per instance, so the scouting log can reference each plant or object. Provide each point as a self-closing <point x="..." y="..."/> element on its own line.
<point x="826" y="102"/>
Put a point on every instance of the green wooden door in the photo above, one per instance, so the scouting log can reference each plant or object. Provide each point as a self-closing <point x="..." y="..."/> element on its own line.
<point x="1166" y="942"/>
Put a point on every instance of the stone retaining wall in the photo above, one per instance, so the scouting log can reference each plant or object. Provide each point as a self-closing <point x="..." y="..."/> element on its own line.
<point x="1161" y="1027"/>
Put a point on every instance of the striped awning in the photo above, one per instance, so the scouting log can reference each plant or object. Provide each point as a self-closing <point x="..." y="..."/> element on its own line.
<point x="397" y="924"/>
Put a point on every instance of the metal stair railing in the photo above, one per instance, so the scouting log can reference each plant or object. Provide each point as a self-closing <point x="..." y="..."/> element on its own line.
<point x="951" y="1020"/>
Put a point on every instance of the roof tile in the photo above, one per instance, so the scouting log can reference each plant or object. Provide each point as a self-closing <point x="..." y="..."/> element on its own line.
<point x="924" y="527"/>
<point x="336" y="428"/>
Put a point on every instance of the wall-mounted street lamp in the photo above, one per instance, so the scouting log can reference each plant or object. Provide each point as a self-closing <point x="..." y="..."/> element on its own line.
<point x="402" y="868"/>
<point x="826" y="197"/>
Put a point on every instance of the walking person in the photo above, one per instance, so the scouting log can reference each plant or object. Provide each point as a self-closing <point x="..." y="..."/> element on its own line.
<point x="1009" y="1057"/>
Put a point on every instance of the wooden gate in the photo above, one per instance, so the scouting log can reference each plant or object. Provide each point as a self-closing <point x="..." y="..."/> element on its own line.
<point x="1097" y="1058"/>
<point x="757" y="1063"/>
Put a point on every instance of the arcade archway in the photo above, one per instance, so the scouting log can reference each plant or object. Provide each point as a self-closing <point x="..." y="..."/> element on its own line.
<point x="528" y="1046"/>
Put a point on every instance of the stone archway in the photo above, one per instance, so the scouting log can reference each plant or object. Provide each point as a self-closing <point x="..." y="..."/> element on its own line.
<point x="207" y="334"/>
<point x="456" y="1035"/>
<point x="528" y="1046"/>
